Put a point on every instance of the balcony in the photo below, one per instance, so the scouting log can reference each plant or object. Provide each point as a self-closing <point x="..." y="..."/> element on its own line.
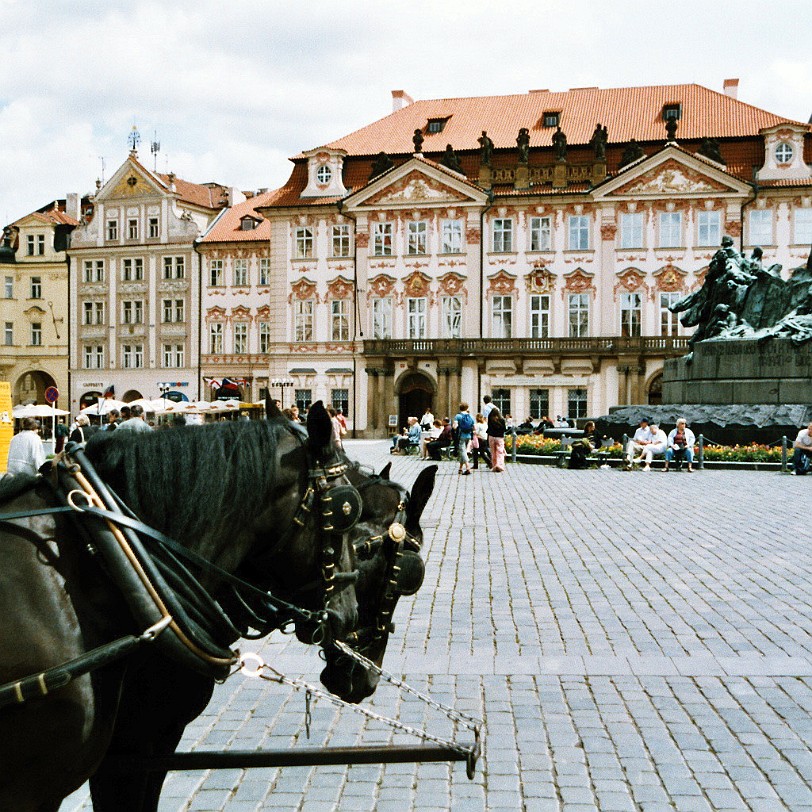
<point x="512" y="347"/>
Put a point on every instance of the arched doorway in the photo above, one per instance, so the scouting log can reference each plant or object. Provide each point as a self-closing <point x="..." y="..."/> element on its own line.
<point x="415" y="393"/>
<point x="655" y="390"/>
<point x="31" y="386"/>
<point x="130" y="395"/>
<point x="88" y="399"/>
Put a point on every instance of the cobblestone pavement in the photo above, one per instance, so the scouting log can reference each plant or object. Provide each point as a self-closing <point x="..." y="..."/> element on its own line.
<point x="634" y="641"/>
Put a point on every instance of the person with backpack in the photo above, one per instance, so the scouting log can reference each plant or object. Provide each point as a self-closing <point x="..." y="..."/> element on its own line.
<point x="464" y="425"/>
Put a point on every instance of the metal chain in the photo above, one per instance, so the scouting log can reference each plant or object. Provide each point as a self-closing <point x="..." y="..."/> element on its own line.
<point x="471" y="722"/>
<point x="299" y="684"/>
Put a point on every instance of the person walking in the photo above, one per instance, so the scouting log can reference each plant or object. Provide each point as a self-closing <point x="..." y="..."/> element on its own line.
<point x="479" y="443"/>
<point x="78" y="435"/>
<point x="464" y="425"/>
<point x="496" y="440"/>
<point x="25" y="451"/>
<point x="136" y="421"/>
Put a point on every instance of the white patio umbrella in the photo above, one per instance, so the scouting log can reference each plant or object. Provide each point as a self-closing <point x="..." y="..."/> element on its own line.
<point x="145" y="403"/>
<point x="18" y="412"/>
<point x="104" y="406"/>
<point x="41" y="410"/>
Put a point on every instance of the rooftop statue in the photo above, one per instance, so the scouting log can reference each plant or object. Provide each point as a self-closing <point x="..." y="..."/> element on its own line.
<point x="383" y="163"/>
<point x="450" y="160"/>
<point x="485" y="149"/>
<point x="742" y="299"/>
<point x="598" y="142"/>
<point x="560" y="144"/>
<point x="632" y="153"/>
<point x="417" y="140"/>
<point x="523" y="143"/>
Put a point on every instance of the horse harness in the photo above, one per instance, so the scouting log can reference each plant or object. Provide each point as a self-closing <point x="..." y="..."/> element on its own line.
<point x="176" y="611"/>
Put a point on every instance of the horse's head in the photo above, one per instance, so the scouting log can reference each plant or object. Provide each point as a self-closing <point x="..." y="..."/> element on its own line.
<point x="388" y="541"/>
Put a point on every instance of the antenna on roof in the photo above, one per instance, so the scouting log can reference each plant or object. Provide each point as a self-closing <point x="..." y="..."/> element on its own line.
<point x="134" y="139"/>
<point x="155" y="148"/>
<point x="101" y="158"/>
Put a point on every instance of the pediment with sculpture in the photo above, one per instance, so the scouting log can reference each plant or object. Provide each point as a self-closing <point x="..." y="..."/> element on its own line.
<point x="672" y="177"/>
<point x="415" y="187"/>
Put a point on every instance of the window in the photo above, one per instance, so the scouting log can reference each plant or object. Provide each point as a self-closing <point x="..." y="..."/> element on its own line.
<point x="340" y="398"/>
<point x="672" y="111"/>
<point x="539" y="402"/>
<point x="669" y="322"/>
<point x="173" y="310"/>
<point x="112" y="230"/>
<point x="323" y="174"/>
<point x="36" y="287"/>
<point x="501" y="399"/>
<point x="8" y="287"/>
<point x="93" y="313"/>
<point x="502" y="316"/>
<point x="303" y="320"/>
<point x="303" y="243"/>
<point x="382" y="240"/>
<point x="579" y="232"/>
<point x="541" y="234"/>
<point x="550" y="119"/>
<point x="578" y="315"/>
<point x="382" y="318"/>
<point x="452" y="316"/>
<point x="761" y="227"/>
<point x="216" y="273"/>
<point x="264" y="337"/>
<point x="8" y="336"/>
<point x="416" y="315"/>
<point x="215" y="339"/>
<point x="240" y="273"/>
<point x="803" y="227"/>
<point x="94" y="356"/>
<point x="435" y="125"/>
<point x="416" y="237"/>
<point x="502" y="234"/>
<point x="94" y="270"/>
<point x="452" y="237"/>
<point x="132" y="311"/>
<point x="540" y="316"/>
<point x="132" y="270"/>
<point x="631" y="230"/>
<point x="248" y="224"/>
<point x="36" y="245"/>
<point x="174" y="267"/>
<point x="173" y="356"/>
<point x="784" y="153"/>
<point x="132" y="356"/>
<point x="708" y="228"/>
<point x="630" y="313"/>
<point x="303" y="398"/>
<point x="240" y="338"/>
<point x="576" y="403"/>
<point x="154" y="231"/>
<point x="670" y="229"/>
<point x="339" y="320"/>
<point x="264" y="271"/>
<point x="132" y="229"/>
<point x="340" y="241"/>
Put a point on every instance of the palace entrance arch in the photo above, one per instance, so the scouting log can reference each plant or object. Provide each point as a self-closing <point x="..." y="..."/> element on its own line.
<point x="415" y="392"/>
<point x="31" y="386"/>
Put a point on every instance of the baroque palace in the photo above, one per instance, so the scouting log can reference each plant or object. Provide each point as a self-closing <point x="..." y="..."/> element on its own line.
<point x="525" y="246"/>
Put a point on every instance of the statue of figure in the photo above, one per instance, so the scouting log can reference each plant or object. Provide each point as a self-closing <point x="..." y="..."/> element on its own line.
<point x="560" y="144"/>
<point x="382" y="164"/>
<point x="485" y="149"/>
<point x="523" y="143"/>
<point x="598" y="142"/>
<point x="451" y="160"/>
<point x="7" y="248"/>
<point x="417" y="140"/>
<point x="671" y="129"/>
<point x="632" y="153"/>
<point x="710" y="149"/>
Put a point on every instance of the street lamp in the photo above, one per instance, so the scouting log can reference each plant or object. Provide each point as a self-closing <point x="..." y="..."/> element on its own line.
<point x="282" y="383"/>
<point x="164" y="389"/>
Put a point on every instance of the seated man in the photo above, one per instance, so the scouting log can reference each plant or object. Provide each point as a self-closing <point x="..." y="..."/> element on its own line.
<point x="657" y="445"/>
<point x="411" y="438"/>
<point x="434" y="446"/>
<point x="802" y="451"/>
<point x="527" y="427"/>
<point x="680" y="445"/>
<point x="427" y="435"/>
<point x="642" y="437"/>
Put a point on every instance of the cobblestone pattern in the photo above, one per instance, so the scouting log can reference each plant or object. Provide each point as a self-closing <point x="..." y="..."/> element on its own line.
<point x="634" y="642"/>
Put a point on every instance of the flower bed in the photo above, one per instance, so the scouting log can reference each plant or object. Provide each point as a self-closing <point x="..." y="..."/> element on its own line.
<point x="537" y="445"/>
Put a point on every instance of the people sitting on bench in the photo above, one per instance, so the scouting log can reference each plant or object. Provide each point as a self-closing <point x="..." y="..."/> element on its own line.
<point x="444" y="440"/>
<point x="584" y="446"/>
<point x="802" y="451"/>
<point x="655" y="446"/>
<point x="680" y="445"/>
<point x="410" y="438"/>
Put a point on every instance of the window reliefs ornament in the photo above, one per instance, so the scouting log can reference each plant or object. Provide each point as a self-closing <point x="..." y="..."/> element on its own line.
<point x="784" y="153"/>
<point x="324" y="170"/>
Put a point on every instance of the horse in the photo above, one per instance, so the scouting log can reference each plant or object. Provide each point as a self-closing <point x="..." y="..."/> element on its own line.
<point x="238" y="495"/>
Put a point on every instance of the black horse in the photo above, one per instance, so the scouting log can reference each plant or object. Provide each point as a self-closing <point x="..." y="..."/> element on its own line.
<point x="230" y="492"/>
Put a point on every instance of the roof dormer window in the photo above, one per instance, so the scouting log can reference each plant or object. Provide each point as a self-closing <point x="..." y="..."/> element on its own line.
<point x="247" y="223"/>
<point x="784" y="153"/>
<point x="551" y="119"/>
<point x="673" y="111"/>
<point x="323" y="175"/>
<point x="436" y="125"/>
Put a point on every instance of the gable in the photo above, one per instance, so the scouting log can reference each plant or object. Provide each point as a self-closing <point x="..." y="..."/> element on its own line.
<point x="130" y="181"/>
<point x="671" y="177"/>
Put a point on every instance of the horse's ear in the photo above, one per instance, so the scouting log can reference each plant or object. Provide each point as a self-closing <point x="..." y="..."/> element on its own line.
<point x="421" y="493"/>
<point x="271" y="409"/>
<point x="384" y="474"/>
<point x="319" y="427"/>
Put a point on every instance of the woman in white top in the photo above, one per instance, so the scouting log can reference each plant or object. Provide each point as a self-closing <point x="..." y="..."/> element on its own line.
<point x="25" y="451"/>
<point x="481" y="448"/>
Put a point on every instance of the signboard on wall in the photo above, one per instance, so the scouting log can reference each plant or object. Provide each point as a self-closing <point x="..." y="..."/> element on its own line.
<point x="6" y="423"/>
<point x="393" y="421"/>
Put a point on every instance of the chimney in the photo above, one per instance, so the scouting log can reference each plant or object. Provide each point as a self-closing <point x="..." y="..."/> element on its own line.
<point x="72" y="208"/>
<point x="400" y="99"/>
<point x="731" y="88"/>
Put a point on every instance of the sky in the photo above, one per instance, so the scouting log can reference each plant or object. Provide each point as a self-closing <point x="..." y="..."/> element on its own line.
<point x="232" y="90"/>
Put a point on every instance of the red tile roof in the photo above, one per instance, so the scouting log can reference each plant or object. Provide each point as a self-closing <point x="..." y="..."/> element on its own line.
<point x="228" y="226"/>
<point x="207" y="195"/>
